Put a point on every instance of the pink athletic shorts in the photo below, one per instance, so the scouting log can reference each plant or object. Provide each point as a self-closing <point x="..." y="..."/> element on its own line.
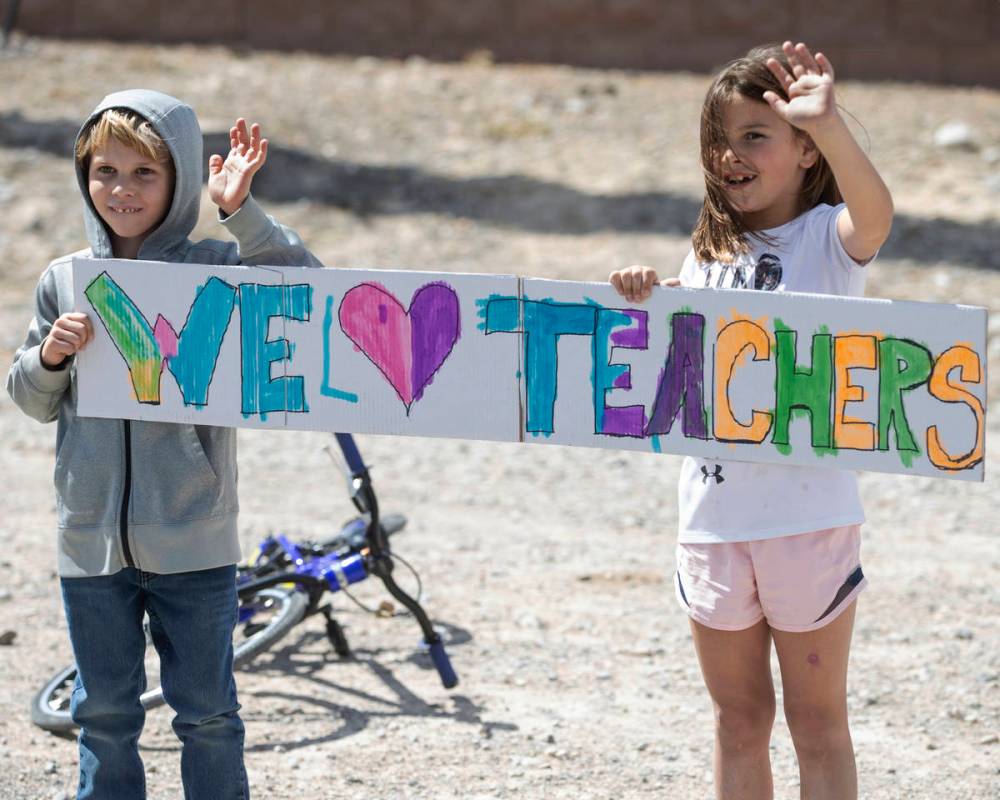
<point x="797" y="583"/>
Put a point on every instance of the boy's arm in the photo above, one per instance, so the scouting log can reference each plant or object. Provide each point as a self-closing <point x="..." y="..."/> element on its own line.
<point x="865" y="224"/>
<point x="261" y="240"/>
<point x="36" y="389"/>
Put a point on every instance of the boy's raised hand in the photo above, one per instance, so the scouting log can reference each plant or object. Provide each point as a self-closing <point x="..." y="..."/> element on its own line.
<point x="809" y="87"/>
<point x="70" y="334"/>
<point x="229" y="180"/>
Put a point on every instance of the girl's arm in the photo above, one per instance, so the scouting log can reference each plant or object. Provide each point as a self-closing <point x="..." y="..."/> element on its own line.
<point x="865" y="224"/>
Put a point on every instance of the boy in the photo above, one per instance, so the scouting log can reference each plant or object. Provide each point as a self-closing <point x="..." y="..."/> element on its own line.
<point x="147" y="511"/>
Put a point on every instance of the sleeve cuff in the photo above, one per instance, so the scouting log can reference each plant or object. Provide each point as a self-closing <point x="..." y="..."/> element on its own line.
<point x="847" y="261"/>
<point x="44" y="379"/>
<point x="250" y="226"/>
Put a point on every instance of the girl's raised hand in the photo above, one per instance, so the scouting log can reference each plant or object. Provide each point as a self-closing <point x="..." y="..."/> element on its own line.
<point x="636" y="283"/>
<point x="229" y="180"/>
<point x="809" y="87"/>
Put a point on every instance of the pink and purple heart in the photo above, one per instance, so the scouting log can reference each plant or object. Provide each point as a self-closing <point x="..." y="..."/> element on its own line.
<point x="407" y="345"/>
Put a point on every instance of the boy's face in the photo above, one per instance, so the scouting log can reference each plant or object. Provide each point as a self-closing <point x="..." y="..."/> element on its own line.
<point x="131" y="192"/>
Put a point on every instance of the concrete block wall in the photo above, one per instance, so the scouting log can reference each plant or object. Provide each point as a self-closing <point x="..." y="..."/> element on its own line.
<point x="926" y="40"/>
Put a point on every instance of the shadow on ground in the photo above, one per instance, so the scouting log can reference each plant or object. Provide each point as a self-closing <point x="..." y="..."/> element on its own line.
<point x="510" y="201"/>
<point x="306" y="667"/>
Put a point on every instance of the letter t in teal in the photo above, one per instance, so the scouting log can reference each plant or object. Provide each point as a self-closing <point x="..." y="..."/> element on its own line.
<point x="544" y="322"/>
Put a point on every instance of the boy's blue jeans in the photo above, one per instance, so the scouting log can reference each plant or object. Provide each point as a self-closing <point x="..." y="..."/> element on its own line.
<point x="192" y="616"/>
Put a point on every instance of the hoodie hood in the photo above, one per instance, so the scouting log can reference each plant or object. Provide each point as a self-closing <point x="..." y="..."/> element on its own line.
<point x="175" y="122"/>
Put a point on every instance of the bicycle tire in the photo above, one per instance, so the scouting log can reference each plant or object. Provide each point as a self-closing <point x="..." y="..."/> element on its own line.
<point x="50" y="706"/>
<point x="294" y="608"/>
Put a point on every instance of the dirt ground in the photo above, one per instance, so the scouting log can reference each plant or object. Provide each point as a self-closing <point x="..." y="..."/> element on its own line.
<point x="548" y="567"/>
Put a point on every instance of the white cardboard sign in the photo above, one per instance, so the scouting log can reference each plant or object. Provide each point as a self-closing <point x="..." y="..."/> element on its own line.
<point x="739" y="375"/>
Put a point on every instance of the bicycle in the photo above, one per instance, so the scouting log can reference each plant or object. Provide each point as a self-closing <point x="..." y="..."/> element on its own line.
<point x="284" y="584"/>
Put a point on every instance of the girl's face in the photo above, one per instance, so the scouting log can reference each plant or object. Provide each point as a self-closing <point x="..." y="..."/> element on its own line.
<point x="763" y="164"/>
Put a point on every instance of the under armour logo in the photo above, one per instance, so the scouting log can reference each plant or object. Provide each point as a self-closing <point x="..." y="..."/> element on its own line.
<point x="717" y="474"/>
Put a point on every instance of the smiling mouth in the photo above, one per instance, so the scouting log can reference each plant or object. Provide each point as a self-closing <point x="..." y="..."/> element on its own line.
<point x="117" y="210"/>
<point x="740" y="180"/>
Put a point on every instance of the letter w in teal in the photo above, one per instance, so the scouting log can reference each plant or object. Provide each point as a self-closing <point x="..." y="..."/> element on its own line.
<point x="190" y="356"/>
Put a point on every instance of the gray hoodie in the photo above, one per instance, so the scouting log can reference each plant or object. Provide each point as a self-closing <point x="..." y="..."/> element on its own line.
<point x="160" y="497"/>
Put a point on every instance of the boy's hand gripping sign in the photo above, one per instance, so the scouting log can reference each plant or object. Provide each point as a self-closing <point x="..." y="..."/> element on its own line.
<point x="730" y="375"/>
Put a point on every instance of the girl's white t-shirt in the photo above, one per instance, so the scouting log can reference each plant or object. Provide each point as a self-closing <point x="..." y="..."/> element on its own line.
<point x="733" y="501"/>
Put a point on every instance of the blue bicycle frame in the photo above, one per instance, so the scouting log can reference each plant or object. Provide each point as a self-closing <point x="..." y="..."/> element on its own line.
<point x="334" y="571"/>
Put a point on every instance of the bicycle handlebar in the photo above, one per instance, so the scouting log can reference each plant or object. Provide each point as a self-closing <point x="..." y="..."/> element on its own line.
<point x="442" y="664"/>
<point x="378" y="561"/>
<point x="351" y="454"/>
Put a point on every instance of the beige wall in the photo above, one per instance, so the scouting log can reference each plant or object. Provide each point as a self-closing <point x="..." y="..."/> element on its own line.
<point x="951" y="41"/>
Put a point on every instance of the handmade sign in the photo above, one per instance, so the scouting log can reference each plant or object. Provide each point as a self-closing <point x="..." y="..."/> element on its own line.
<point x="733" y="375"/>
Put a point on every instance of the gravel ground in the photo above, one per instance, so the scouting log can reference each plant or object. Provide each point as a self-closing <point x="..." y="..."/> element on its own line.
<point x="549" y="567"/>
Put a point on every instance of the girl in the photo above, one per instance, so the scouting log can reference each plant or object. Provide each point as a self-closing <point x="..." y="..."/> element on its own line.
<point x="791" y="204"/>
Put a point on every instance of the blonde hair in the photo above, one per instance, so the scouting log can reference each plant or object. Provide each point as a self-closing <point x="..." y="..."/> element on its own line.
<point x="125" y="127"/>
<point x="721" y="233"/>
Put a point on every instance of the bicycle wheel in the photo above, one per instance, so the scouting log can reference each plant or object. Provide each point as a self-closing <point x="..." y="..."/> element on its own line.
<point x="281" y="609"/>
<point x="265" y="618"/>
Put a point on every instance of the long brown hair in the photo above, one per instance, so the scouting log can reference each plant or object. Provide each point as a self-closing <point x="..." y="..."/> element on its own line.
<point x="721" y="233"/>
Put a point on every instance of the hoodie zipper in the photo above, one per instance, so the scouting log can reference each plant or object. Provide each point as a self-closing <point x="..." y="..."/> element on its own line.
<point x="123" y="522"/>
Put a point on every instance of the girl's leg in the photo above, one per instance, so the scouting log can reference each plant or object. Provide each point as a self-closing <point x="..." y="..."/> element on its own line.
<point x="191" y="619"/>
<point x="814" y="680"/>
<point x="736" y="666"/>
<point x="104" y="615"/>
